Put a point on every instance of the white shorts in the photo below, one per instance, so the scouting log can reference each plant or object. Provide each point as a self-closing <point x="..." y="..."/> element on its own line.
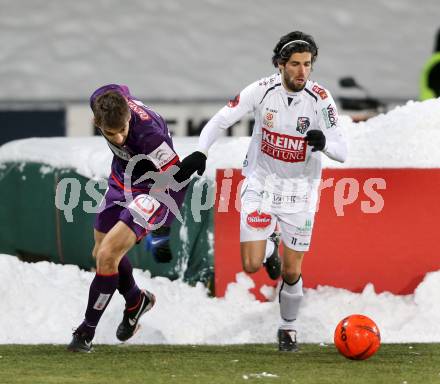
<point x="258" y="219"/>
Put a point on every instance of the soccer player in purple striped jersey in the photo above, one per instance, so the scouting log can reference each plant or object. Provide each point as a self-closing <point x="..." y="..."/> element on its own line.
<point x="142" y="146"/>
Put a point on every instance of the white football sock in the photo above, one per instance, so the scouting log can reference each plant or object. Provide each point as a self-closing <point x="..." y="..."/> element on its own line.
<point x="290" y="300"/>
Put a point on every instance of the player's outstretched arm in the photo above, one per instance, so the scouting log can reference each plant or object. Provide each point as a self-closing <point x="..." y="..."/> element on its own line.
<point x="242" y="104"/>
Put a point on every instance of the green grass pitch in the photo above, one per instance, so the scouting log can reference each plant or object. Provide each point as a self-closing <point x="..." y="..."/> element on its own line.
<point x="45" y="364"/>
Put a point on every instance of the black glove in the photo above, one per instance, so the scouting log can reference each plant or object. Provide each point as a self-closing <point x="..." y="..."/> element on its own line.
<point x="316" y="139"/>
<point x="190" y="164"/>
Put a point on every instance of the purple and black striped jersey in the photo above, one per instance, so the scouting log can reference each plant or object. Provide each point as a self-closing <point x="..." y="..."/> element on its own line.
<point x="147" y="135"/>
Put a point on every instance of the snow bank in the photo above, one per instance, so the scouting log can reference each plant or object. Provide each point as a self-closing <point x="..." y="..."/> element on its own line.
<point x="42" y="302"/>
<point x="406" y="137"/>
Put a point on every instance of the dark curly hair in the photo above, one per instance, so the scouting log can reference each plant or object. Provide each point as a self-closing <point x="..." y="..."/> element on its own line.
<point x="283" y="50"/>
<point x="110" y="110"/>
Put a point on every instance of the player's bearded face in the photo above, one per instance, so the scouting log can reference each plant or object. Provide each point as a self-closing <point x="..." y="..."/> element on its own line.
<point x="296" y="71"/>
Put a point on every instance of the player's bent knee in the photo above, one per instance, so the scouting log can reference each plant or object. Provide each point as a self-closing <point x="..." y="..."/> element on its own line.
<point x="250" y="266"/>
<point x="291" y="274"/>
<point x="106" y="262"/>
<point x="251" y="260"/>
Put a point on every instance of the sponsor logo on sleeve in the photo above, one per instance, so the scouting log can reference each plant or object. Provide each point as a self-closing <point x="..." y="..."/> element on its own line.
<point x="330" y="116"/>
<point x="290" y="149"/>
<point x="320" y="91"/>
<point x="163" y="156"/>
<point x="143" y="115"/>
<point x="234" y="102"/>
<point x="302" y="124"/>
<point x="258" y="220"/>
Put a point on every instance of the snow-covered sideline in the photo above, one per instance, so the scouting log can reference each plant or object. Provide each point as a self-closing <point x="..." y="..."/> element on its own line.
<point x="42" y="302"/>
<point x="406" y="137"/>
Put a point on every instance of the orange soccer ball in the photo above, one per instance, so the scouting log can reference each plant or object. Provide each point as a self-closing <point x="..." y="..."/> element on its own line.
<point x="357" y="337"/>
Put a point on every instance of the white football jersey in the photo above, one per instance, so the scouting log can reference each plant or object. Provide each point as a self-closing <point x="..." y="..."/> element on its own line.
<point x="278" y="150"/>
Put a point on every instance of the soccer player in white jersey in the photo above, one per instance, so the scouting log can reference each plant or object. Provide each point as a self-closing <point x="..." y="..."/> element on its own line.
<point x="296" y="122"/>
